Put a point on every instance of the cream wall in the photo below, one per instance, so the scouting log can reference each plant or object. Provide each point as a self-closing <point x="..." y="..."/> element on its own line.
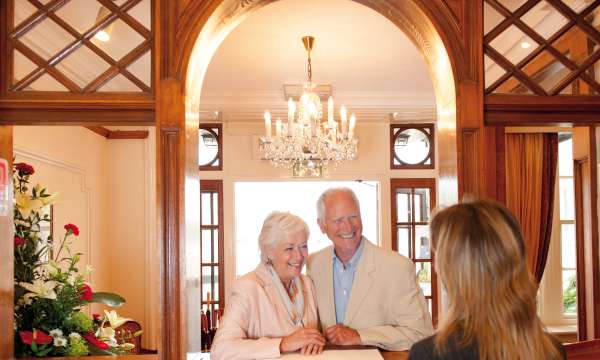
<point x="107" y="189"/>
<point x="242" y="162"/>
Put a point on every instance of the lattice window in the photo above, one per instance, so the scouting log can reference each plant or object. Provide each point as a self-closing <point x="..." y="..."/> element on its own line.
<point x="412" y="146"/>
<point x="210" y="147"/>
<point x="80" y="46"/>
<point x="211" y="240"/>
<point x="542" y="47"/>
<point x="412" y="202"/>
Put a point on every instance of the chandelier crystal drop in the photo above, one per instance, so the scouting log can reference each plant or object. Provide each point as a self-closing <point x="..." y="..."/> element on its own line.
<point x="308" y="142"/>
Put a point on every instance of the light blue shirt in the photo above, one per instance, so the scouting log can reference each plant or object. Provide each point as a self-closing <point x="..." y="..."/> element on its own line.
<point x="343" y="277"/>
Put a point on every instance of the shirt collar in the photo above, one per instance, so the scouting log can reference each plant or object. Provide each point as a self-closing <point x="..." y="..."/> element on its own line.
<point x="355" y="258"/>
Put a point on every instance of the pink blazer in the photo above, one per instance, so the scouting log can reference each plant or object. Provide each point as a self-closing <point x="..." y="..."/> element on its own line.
<point x="256" y="319"/>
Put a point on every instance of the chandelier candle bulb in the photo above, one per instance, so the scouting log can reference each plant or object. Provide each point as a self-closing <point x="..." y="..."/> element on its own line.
<point x="291" y="111"/>
<point x="352" y="125"/>
<point x="330" y="110"/>
<point x="343" y="117"/>
<point x="268" y="126"/>
<point x="277" y="128"/>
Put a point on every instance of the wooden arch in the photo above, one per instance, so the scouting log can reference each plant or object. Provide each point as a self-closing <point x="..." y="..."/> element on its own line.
<point x="448" y="35"/>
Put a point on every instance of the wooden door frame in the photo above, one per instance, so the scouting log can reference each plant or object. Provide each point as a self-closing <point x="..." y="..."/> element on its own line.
<point x="421" y="183"/>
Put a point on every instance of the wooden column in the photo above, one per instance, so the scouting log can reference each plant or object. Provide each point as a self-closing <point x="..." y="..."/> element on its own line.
<point x="471" y="142"/>
<point x="586" y="225"/>
<point x="6" y="254"/>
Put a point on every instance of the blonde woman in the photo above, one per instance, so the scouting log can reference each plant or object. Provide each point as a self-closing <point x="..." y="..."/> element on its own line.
<point x="480" y="258"/>
<point x="272" y="310"/>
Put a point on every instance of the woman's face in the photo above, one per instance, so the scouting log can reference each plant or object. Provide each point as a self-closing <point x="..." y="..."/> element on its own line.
<point x="289" y="255"/>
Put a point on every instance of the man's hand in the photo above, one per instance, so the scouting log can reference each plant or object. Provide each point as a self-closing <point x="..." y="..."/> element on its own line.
<point x="342" y="335"/>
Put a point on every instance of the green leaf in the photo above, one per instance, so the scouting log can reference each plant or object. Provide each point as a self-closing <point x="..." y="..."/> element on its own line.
<point x="107" y="298"/>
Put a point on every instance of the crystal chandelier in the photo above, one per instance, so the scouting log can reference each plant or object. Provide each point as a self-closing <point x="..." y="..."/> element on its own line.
<point x="308" y="142"/>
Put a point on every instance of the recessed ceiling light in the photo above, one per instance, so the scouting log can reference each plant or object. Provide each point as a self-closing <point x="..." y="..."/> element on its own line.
<point x="102" y="36"/>
<point x="525" y="45"/>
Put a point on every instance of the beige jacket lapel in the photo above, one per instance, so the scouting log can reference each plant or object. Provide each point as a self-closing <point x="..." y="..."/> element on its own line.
<point x="269" y="287"/>
<point x="324" y="271"/>
<point x="363" y="279"/>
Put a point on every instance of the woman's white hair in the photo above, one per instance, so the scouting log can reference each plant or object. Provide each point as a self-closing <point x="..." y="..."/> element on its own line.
<point x="276" y="228"/>
<point x="331" y="191"/>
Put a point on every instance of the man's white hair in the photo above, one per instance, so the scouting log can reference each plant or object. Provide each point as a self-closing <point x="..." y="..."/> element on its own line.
<point x="327" y="193"/>
<point x="277" y="227"/>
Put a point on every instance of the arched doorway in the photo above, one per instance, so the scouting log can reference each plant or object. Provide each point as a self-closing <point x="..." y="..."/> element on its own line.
<point x="430" y="25"/>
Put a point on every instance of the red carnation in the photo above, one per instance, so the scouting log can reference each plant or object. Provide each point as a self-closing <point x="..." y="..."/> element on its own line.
<point x="73" y="229"/>
<point x="19" y="241"/>
<point x="24" y="169"/>
<point x="92" y="339"/>
<point x="85" y="293"/>
<point x="96" y="317"/>
<point x="40" y="337"/>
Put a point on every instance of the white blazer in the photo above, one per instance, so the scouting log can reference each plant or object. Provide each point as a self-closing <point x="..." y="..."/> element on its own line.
<point x="386" y="304"/>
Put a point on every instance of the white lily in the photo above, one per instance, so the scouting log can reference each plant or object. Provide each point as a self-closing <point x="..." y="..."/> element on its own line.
<point x="105" y="333"/>
<point x="49" y="199"/>
<point x="114" y="319"/>
<point x="51" y="267"/>
<point x="88" y="270"/>
<point x="40" y="288"/>
<point x="26" y="204"/>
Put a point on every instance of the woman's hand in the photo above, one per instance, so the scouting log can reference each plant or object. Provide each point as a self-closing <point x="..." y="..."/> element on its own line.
<point x="311" y="349"/>
<point x="300" y="339"/>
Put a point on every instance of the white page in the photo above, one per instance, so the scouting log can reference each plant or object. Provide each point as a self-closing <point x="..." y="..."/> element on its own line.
<point x="362" y="354"/>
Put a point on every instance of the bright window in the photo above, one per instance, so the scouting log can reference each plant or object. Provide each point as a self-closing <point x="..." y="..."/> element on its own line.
<point x="255" y="200"/>
<point x="567" y="225"/>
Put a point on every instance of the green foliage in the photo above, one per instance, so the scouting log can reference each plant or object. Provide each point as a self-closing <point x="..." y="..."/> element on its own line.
<point x="78" y="322"/>
<point x="109" y="299"/>
<point x="76" y="347"/>
<point x="570" y="296"/>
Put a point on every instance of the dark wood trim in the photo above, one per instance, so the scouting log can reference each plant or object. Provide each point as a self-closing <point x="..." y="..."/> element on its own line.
<point x="501" y="164"/>
<point x="579" y="246"/>
<point x="220" y="141"/>
<point x="76" y="117"/>
<point x="172" y="322"/>
<point x="520" y="110"/>
<point x="429" y="183"/>
<point x="419" y="127"/>
<point x="469" y="149"/>
<point x="118" y="134"/>
<point x="217" y="186"/>
<point x="100" y="130"/>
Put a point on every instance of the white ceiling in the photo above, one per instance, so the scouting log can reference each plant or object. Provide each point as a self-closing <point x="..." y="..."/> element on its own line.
<point x="372" y="66"/>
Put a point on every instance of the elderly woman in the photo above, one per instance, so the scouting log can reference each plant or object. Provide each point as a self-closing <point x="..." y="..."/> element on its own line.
<point x="272" y="310"/>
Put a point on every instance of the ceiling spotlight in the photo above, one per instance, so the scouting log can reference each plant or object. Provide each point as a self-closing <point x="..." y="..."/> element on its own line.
<point x="525" y="45"/>
<point x="102" y="36"/>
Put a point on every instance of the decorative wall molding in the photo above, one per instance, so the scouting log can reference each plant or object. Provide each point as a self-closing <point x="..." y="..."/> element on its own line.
<point x="85" y="189"/>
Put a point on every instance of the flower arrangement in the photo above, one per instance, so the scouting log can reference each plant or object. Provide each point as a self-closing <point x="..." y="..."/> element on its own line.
<point x="50" y="291"/>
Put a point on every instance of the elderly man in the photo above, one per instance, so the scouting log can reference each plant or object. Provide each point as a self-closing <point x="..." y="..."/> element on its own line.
<point x="365" y="294"/>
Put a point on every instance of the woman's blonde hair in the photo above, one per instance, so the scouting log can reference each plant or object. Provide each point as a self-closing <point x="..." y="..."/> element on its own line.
<point x="480" y="257"/>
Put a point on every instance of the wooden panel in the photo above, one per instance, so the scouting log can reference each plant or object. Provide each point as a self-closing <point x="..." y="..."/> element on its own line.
<point x="6" y="254"/>
<point x="172" y="341"/>
<point x="582" y="333"/>
<point x="586" y="350"/>
<point x="470" y="174"/>
<point x="519" y="110"/>
<point x="586" y="224"/>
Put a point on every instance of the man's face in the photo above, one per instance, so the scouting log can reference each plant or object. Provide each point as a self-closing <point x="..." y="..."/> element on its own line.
<point x="342" y="224"/>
